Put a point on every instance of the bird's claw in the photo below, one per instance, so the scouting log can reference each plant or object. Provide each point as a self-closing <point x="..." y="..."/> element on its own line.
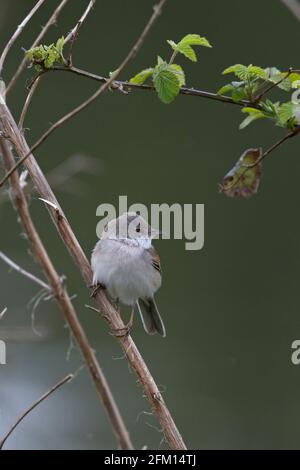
<point x="96" y="289"/>
<point x="125" y="331"/>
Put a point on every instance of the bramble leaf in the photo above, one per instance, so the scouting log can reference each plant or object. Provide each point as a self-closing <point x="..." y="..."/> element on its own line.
<point x="238" y="94"/>
<point x="44" y="57"/>
<point x="185" y="45"/>
<point x="179" y="72"/>
<point x="239" y="70"/>
<point x="166" y="83"/>
<point x="60" y="45"/>
<point x="289" y="114"/>
<point x="142" y="76"/>
<point x="253" y="115"/>
<point x="241" y="181"/>
<point x="225" y="89"/>
<point x="243" y="72"/>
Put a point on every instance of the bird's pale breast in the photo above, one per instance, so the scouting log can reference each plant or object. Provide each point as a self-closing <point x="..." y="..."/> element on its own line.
<point x="125" y="270"/>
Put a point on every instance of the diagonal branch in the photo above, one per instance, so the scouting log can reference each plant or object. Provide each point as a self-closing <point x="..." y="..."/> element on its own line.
<point x="27" y="102"/>
<point x="293" y="6"/>
<point x="60" y="292"/>
<point x="53" y="389"/>
<point x="17" y="33"/>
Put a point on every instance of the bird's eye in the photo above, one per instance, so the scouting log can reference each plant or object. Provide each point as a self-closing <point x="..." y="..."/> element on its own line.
<point x="138" y="228"/>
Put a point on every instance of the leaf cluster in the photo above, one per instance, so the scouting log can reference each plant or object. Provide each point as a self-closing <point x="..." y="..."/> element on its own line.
<point x="44" y="57"/>
<point x="168" y="77"/>
<point x="254" y="82"/>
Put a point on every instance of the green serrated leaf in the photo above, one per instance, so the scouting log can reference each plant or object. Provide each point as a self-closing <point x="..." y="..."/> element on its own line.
<point x="225" y="89"/>
<point x="51" y="57"/>
<point x="289" y="114"/>
<point x="188" y="52"/>
<point x="257" y="72"/>
<point x="250" y="72"/>
<point x="178" y="71"/>
<point x="238" y="94"/>
<point x="239" y="70"/>
<point x="44" y="57"/>
<point x="184" y="46"/>
<point x="60" y="45"/>
<point x="254" y="114"/>
<point x="194" y="40"/>
<point x="160" y="61"/>
<point x="142" y="76"/>
<point x="167" y="85"/>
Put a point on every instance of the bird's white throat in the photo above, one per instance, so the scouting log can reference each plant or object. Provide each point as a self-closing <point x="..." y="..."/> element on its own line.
<point x="138" y="242"/>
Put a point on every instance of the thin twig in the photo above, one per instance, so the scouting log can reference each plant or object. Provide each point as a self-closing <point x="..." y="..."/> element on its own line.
<point x="271" y="86"/>
<point x="73" y="41"/>
<point x="81" y="20"/>
<point x="27" y="102"/>
<point x="293" y="6"/>
<point x="66" y="379"/>
<point x="25" y="273"/>
<point x="18" y="32"/>
<point x="119" y="85"/>
<point x="274" y="147"/>
<point x="60" y="292"/>
<point x="73" y="35"/>
<point x="52" y="20"/>
<point x="109" y="313"/>
<point x="92" y="98"/>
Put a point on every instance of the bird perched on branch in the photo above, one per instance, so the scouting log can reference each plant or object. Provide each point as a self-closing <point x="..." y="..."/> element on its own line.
<point x="128" y="266"/>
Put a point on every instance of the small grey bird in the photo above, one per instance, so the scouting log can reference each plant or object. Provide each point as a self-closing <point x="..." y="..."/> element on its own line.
<point x="127" y="265"/>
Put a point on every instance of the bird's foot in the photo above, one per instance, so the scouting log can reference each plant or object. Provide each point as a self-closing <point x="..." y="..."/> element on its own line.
<point x="125" y="331"/>
<point x="96" y="288"/>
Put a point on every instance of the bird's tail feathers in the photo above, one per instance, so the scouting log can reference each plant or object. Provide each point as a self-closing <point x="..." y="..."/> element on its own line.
<point x="150" y="316"/>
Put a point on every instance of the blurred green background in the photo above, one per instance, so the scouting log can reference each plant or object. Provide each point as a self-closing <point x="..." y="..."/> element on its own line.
<point x="232" y="309"/>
